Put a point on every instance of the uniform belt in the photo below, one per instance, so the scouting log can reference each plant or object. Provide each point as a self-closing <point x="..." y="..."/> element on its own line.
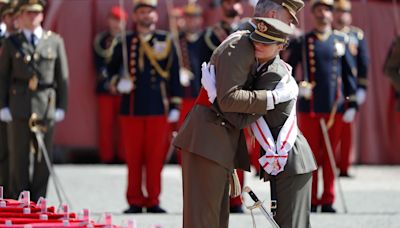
<point x="202" y="98"/>
<point x="40" y="86"/>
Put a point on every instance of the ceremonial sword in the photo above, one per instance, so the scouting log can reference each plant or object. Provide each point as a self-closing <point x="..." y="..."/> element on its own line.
<point x="260" y="205"/>
<point x="39" y="131"/>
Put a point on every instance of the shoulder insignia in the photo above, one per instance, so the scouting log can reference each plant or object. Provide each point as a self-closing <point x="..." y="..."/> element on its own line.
<point x="342" y="35"/>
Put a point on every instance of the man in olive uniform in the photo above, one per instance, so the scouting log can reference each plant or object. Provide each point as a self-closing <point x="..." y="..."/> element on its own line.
<point x="330" y="81"/>
<point x="152" y="95"/>
<point x="108" y="100"/>
<point x="3" y="126"/>
<point x="190" y="41"/>
<point x="392" y="68"/>
<point x="7" y="15"/>
<point x="358" y="50"/>
<point x="33" y="83"/>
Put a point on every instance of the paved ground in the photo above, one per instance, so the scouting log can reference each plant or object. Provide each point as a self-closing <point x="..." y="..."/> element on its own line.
<point x="372" y="197"/>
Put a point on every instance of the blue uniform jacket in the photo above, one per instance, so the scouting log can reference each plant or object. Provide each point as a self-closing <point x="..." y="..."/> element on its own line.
<point x="154" y="69"/>
<point x="328" y="65"/>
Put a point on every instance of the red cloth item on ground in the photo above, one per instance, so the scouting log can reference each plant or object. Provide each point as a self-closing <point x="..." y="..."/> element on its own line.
<point x="144" y="142"/>
<point x="310" y="126"/>
<point x="21" y="210"/>
<point x="110" y="146"/>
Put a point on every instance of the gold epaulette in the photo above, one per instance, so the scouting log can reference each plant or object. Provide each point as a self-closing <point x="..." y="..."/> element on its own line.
<point x="358" y="31"/>
<point x="342" y="34"/>
<point x="104" y="52"/>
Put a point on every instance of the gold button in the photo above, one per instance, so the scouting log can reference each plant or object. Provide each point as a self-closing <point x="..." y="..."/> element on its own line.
<point x="312" y="69"/>
<point x="223" y="123"/>
<point x="311" y="46"/>
<point x="312" y="62"/>
<point x="311" y="54"/>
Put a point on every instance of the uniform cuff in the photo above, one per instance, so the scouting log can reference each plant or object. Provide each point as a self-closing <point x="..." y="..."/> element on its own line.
<point x="270" y="101"/>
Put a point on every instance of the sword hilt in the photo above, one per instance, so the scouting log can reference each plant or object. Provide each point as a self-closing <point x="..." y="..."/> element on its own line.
<point x="251" y="193"/>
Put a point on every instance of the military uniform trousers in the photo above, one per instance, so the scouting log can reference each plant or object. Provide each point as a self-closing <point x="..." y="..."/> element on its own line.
<point x="311" y="128"/>
<point x="202" y="176"/>
<point x="143" y="139"/>
<point x="293" y="195"/>
<point x="20" y="139"/>
<point x="109" y="140"/>
<point x="4" y="154"/>
<point x="343" y="158"/>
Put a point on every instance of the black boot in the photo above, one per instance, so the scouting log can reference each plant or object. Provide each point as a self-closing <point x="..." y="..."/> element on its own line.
<point x="314" y="208"/>
<point x="155" y="209"/>
<point x="236" y="209"/>
<point x="133" y="210"/>
<point x="328" y="208"/>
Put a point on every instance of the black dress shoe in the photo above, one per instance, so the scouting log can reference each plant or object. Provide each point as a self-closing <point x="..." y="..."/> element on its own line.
<point x="236" y="209"/>
<point x="314" y="208"/>
<point x="155" y="209"/>
<point x="328" y="208"/>
<point x="133" y="210"/>
<point x="344" y="174"/>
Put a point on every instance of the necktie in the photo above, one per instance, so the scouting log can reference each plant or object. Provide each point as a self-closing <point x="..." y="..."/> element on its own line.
<point x="33" y="40"/>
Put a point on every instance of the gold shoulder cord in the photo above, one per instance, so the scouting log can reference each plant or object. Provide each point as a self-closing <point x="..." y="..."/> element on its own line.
<point x="153" y="58"/>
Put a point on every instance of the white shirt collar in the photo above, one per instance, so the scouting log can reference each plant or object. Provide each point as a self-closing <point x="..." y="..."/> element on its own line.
<point x="3" y="28"/>
<point x="38" y="33"/>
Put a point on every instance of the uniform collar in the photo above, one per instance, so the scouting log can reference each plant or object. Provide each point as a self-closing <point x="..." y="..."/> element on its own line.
<point x="38" y="33"/>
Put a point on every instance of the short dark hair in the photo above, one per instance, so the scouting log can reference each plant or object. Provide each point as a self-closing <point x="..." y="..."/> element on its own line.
<point x="263" y="6"/>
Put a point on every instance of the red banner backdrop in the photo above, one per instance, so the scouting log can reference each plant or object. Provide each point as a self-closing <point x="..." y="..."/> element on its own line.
<point x="378" y="133"/>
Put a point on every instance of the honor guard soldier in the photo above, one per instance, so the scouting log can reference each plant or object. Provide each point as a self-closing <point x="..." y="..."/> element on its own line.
<point x="358" y="50"/>
<point x="107" y="98"/>
<point x="328" y="84"/>
<point x="392" y="68"/>
<point x="7" y="12"/>
<point x="152" y="95"/>
<point x="33" y="89"/>
<point x="191" y="45"/>
<point x="214" y="35"/>
<point x="3" y="26"/>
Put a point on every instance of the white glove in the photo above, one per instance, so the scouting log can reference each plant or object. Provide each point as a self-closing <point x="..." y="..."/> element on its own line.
<point x="173" y="116"/>
<point x="5" y="115"/>
<point x="125" y="85"/>
<point x="305" y="92"/>
<point x="361" y="95"/>
<point x="185" y="76"/>
<point x="208" y="81"/>
<point x="349" y="115"/>
<point x="59" y="115"/>
<point x="285" y="91"/>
